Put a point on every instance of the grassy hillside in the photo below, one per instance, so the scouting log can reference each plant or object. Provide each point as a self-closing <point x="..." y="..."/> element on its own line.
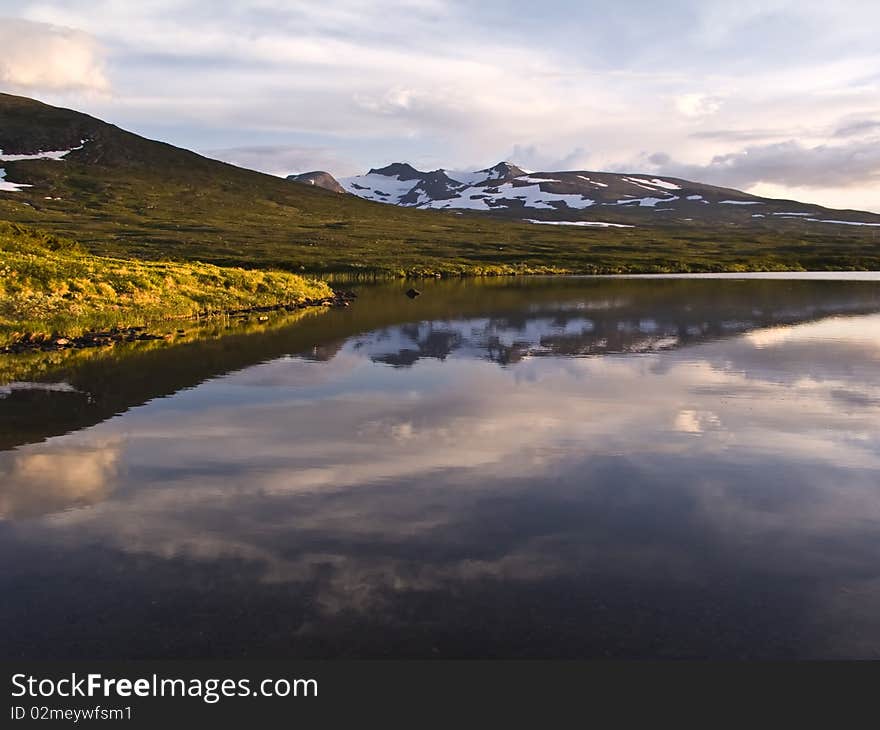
<point x="125" y="196"/>
<point x="48" y="285"/>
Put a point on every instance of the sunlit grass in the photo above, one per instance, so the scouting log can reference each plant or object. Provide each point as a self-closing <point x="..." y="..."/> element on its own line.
<point x="49" y="285"/>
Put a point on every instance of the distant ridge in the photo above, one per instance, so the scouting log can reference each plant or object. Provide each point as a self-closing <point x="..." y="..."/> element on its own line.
<point x="584" y="197"/>
<point x="319" y="179"/>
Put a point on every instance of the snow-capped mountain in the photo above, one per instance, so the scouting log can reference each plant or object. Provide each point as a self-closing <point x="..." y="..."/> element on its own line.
<point x="581" y="197"/>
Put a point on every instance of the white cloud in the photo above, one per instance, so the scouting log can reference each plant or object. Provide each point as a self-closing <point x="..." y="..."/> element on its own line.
<point x="285" y="159"/>
<point x="789" y="163"/>
<point x="38" y="56"/>
<point x="68" y="477"/>
<point x="697" y="105"/>
<point x="578" y="85"/>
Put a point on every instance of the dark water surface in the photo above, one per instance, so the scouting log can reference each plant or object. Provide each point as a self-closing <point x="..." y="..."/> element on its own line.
<point x="538" y="467"/>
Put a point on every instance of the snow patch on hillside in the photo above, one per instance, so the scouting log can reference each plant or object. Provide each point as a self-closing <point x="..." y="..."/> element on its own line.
<point x="637" y="183"/>
<point x="598" y="224"/>
<point x="657" y="183"/>
<point x="652" y="184"/>
<point x="469" y="199"/>
<point x="50" y="155"/>
<point x="843" y="223"/>
<point x="531" y="196"/>
<point x="9" y="187"/>
<point x="645" y="202"/>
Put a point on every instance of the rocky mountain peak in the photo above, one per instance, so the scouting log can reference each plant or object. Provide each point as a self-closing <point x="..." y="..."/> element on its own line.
<point x="318" y="178"/>
<point x="503" y="171"/>
<point x="401" y="170"/>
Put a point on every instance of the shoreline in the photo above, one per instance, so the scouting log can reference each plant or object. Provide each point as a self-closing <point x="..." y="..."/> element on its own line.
<point x="59" y="341"/>
<point x="345" y="277"/>
<point x="30" y="342"/>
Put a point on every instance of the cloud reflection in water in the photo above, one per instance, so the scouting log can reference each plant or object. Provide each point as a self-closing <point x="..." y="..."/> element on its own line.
<point x="719" y="499"/>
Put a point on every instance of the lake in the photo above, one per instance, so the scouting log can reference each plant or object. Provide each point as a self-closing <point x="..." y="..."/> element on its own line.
<point x="537" y="467"/>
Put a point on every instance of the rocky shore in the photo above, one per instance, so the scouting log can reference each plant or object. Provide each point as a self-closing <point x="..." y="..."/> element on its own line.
<point x="108" y="337"/>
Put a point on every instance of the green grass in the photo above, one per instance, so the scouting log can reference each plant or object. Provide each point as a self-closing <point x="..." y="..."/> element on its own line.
<point x="49" y="285"/>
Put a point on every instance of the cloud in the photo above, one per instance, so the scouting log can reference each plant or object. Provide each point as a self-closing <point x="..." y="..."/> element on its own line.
<point x="38" y="483"/>
<point x="39" y="56"/>
<point x="697" y="105"/>
<point x="858" y="128"/>
<point x="533" y="158"/>
<point x="740" y="135"/>
<point x="789" y="163"/>
<point x="697" y="80"/>
<point x="285" y="159"/>
<point x="363" y="494"/>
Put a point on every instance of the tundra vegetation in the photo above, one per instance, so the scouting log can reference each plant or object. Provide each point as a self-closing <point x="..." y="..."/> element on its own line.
<point x="49" y="285"/>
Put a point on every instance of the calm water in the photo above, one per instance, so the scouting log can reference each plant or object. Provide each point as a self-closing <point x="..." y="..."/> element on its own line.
<point x="543" y="467"/>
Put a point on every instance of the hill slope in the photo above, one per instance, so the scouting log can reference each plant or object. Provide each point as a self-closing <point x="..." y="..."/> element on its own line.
<point x="122" y="195"/>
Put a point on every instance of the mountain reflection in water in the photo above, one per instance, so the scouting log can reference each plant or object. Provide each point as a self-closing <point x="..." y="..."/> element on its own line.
<point x="554" y="467"/>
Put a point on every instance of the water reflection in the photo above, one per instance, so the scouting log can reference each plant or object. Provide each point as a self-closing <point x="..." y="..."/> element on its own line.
<point x="704" y="483"/>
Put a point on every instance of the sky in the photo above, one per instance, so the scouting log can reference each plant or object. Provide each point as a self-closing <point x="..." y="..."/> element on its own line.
<point x="776" y="97"/>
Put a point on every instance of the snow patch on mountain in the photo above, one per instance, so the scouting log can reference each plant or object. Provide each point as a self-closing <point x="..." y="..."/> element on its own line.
<point x="656" y="182"/>
<point x="645" y="202"/>
<point x="530" y="196"/>
<point x="7" y="186"/>
<point x="597" y="224"/>
<point x="633" y="181"/>
<point x="374" y="186"/>
<point x="843" y="223"/>
<point x="50" y="155"/>
<point x="467" y="178"/>
<point x="593" y="182"/>
<point x="477" y="201"/>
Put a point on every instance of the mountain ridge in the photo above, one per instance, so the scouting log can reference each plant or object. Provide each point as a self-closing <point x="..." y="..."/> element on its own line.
<point x="580" y="196"/>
